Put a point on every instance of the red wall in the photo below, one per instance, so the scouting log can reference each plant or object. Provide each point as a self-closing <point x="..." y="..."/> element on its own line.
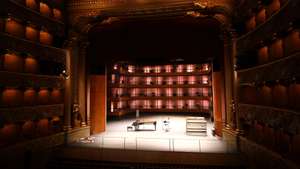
<point x="56" y="96"/>
<point x="12" y="62"/>
<point x="11" y="97"/>
<point x="31" y="65"/>
<point x="263" y="55"/>
<point x="261" y="16"/>
<point x="265" y="95"/>
<point x="45" y="9"/>
<point x="31" y="33"/>
<point x="57" y="14"/>
<point x="280" y="96"/>
<point x="273" y="7"/>
<point x="42" y="127"/>
<point x="43" y="96"/>
<point x="292" y="43"/>
<point x="46" y="38"/>
<point x="29" y="97"/>
<point x="294" y="95"/>
<point x="15" y="28"/>
<point x="97" y="103"/>
<point x="276" y="49"/>
<point x="9" y="133"/>
<point x="28" y="129"/>
<point x="218" y="101"/>
<point x="248" y="95"/>
<point x="251" y="24"/>
<point x="31" y="4"/>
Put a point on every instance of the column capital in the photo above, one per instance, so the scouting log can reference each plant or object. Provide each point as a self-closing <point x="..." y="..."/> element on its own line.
<point x="228" y="35"/>
<point x="69" y="42"/>
<point x="83" y="44"/>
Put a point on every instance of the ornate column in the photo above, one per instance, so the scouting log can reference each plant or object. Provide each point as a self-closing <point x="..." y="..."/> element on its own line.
<point x="68" y="96"/>
<point x="235" y="122"/>
<point x="236" y="86"/>
<point x="74" y="55"/>
<point x="88" y="100"/>
<point x="76" y="92"/>
<point x="80" y="29"/>
<point x="82" y="81"/>
<point x="230" y="80"/>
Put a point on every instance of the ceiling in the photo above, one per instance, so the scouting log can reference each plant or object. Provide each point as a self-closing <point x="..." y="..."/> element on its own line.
<point x="155" y="41"/>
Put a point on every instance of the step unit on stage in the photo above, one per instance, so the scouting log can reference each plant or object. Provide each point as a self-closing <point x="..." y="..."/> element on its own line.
<point x="196" y="126"/>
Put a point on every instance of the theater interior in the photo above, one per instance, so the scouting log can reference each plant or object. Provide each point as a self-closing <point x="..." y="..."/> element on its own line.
<point x="149" y="84"/>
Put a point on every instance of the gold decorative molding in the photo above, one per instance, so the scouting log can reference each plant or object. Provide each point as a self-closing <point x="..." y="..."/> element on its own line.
<point x="95" y="10"/>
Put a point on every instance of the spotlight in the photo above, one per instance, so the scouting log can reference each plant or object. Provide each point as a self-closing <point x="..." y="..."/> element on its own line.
<point x="65" y="75"/>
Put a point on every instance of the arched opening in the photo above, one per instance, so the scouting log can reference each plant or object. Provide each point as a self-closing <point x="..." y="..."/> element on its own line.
<point x="118" y="56"/>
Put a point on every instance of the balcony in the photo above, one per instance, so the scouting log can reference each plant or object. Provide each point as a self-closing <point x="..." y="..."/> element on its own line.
<point x="31" y="112"/>
<point x="183" y="73"/>
<point x="284" y="68"/>
<point x="13" y="79"/>
<point x="42" y="51"/>
<point x="288" y="120"/>
<point x="163" y="97"/>
<point x="161" y="110"/>
<point x="26" y="14"/>
<point x="163" y="85"/>
<point x="277" y="23"/>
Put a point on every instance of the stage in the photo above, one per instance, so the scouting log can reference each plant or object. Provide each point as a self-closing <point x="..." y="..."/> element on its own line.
<point x="174" y="139"/>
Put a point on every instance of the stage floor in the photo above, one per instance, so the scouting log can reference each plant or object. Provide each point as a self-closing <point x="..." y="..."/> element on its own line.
<point x="176" y="139"/>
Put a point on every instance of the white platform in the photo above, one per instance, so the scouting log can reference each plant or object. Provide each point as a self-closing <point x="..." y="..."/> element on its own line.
<point x="117" y="137"/>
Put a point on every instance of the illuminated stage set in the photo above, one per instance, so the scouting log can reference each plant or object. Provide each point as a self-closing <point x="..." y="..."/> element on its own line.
<point x="160" y="108"/>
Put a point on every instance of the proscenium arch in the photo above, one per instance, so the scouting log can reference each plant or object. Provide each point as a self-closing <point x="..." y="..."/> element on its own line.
<point x="222" y="14"/>
<point x="83" y="24"/>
